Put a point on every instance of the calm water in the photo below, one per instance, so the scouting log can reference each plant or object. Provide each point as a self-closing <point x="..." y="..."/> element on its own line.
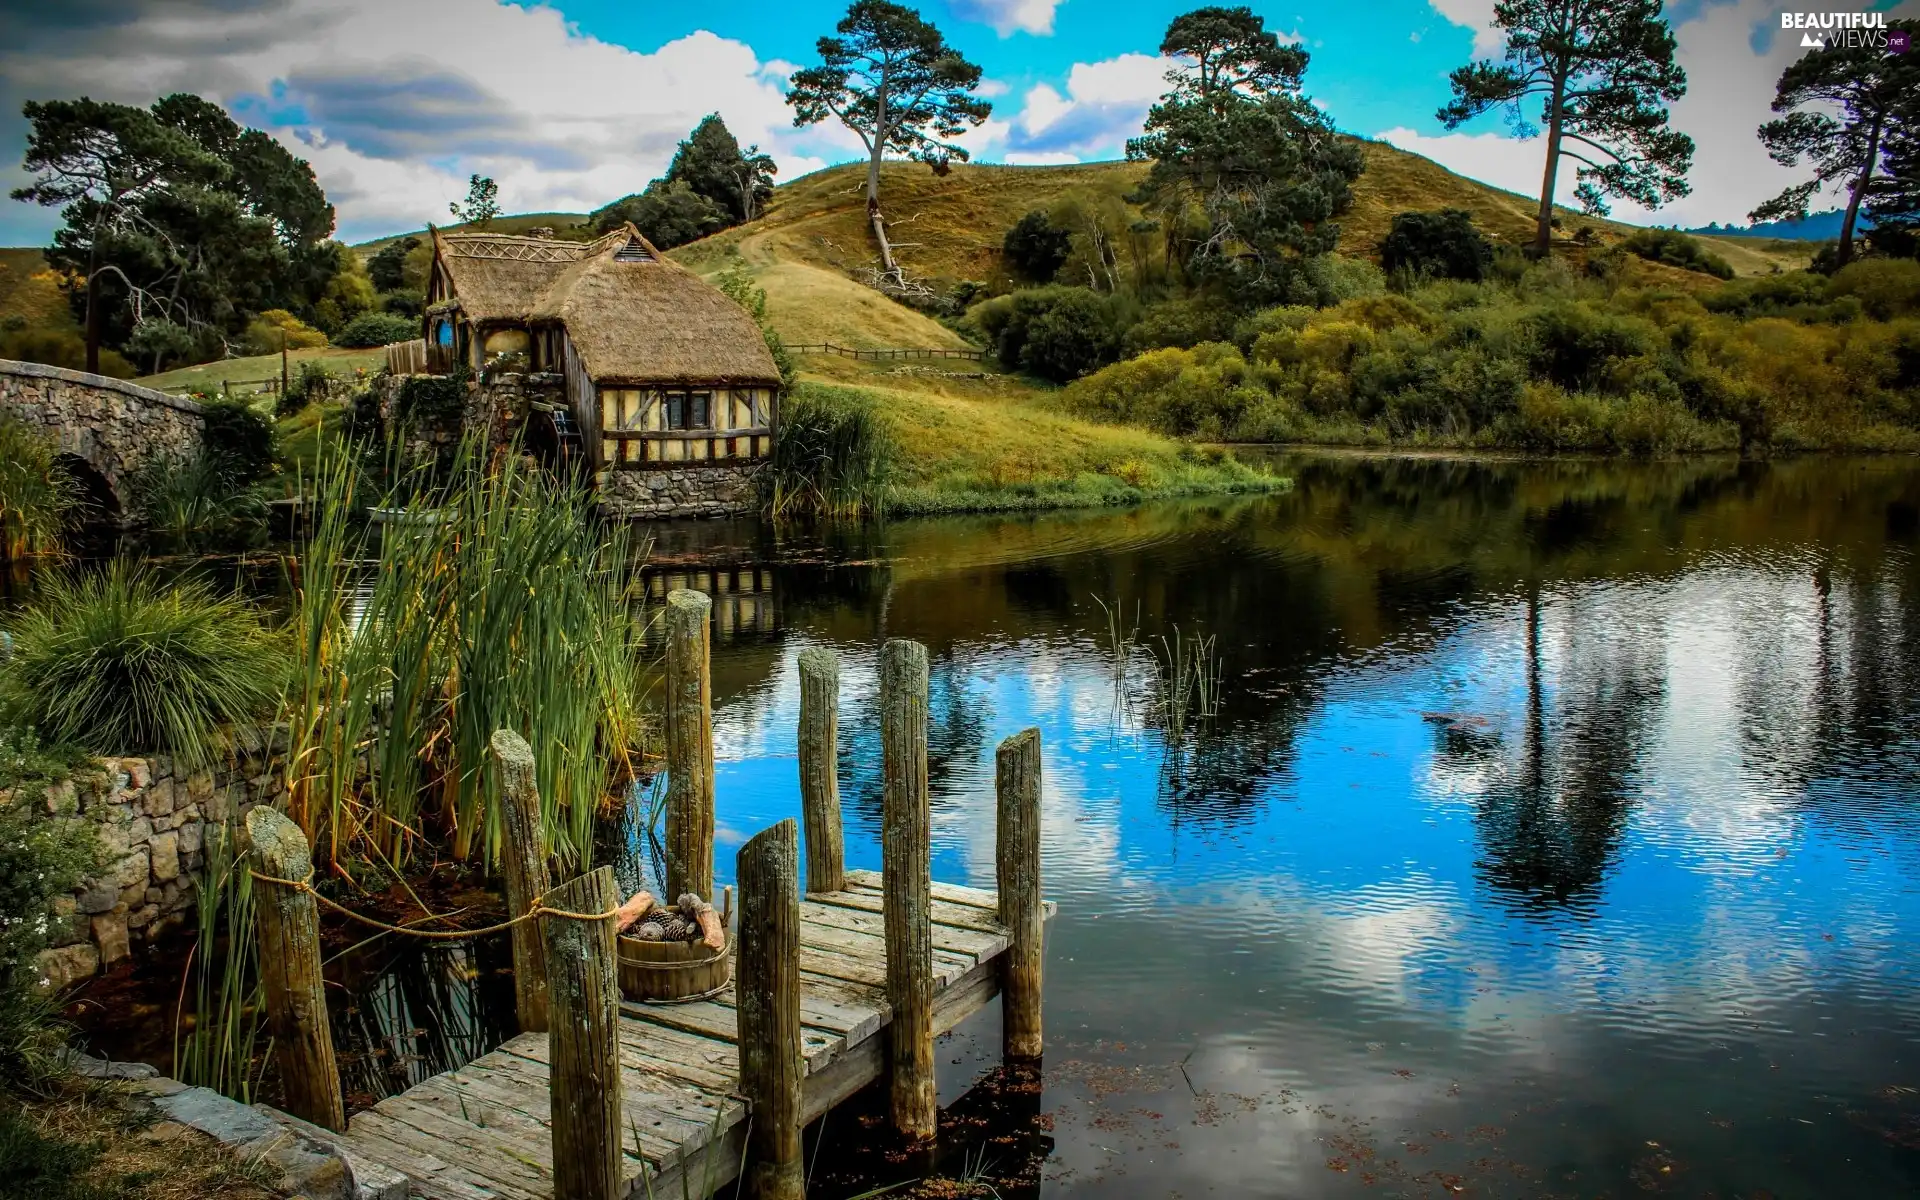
<point x="1558" y="831"/>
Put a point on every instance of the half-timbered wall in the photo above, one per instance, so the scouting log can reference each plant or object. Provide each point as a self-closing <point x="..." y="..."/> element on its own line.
<point x="668" y="426"/>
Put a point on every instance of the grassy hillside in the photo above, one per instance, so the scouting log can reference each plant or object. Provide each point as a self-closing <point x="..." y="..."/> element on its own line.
<point x="207" y="377"/>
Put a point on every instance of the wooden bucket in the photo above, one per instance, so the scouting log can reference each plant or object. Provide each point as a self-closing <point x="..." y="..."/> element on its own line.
<point x="667" y="971"/>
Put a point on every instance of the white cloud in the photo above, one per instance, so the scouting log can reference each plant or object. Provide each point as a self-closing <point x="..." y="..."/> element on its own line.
<point x="1730" y="87"/>
<point x="1476" y="15"/>
<point x="1009" y="16"/>
<point x="561" y="120"/>
<point x="1105" y="103"/>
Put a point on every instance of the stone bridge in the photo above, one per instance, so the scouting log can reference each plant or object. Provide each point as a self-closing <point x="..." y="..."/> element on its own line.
<point x="106" y="429"/>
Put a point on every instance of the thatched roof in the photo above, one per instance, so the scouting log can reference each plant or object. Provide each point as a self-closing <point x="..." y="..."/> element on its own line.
<point x="633" y="317"/>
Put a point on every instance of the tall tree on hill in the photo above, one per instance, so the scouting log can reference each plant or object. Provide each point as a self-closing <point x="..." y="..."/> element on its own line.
<point x="1604" y="72"/>
<point x="1236" y="137"/>
<point x="1843" y="108"/>
<point x="174" y="214"/>
<point x="712" y="163"/>
<point x="891" y="78"/>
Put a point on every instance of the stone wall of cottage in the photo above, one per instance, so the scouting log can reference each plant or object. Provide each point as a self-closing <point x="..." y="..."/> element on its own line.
<point x="116" y="427"/>
<point x="152" y="820"/>
<point x="706" y="490"/>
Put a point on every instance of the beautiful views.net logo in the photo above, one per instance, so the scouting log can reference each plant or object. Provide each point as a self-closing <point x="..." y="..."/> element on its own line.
<point x="1852" y="30"/>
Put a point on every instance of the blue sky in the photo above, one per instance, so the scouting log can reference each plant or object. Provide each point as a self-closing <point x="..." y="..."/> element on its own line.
<point x="573" y="104"/>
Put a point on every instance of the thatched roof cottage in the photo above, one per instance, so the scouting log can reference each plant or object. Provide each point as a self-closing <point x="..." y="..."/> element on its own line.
<point x="662" y="370"/>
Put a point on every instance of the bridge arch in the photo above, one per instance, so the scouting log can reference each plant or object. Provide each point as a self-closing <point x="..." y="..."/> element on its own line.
<point x="112" y="426"/>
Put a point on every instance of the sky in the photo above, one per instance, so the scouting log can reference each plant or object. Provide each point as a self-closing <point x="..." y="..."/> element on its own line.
<point x="572" y="104"/>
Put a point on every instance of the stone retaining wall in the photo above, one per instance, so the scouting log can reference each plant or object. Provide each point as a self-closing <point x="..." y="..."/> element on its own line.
<point x="152" y="821"/>
<point x="702" y="491"/>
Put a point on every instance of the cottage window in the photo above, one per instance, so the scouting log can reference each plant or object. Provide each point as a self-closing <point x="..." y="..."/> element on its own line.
<point x="689" y="410"/>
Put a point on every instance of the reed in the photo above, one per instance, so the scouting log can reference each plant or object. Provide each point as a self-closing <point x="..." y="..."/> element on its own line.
<point x="496" y="603"/>
<point x="193" y="499"/>
<point x="832" y="459"/>
<point x="1187" y="675"/>
<point x="37" y="494"/>
<point x="222" y="972"/>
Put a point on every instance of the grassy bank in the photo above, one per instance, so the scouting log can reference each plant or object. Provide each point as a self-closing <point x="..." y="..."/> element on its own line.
<point x="207" y="377"/>
<point x="995" y="443"/>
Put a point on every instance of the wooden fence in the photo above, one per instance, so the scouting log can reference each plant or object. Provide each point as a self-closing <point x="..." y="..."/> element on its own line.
<point x="408" y="358"/>
<point x="884" y="355"/>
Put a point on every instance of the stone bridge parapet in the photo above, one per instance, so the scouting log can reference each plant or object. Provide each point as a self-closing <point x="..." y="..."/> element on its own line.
<point x="113" y="426"/>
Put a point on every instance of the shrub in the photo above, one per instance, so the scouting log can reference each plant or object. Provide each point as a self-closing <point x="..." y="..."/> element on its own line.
<point x="1790" y="293"/>
<point x="311" y="383"/>
<point x="265" y="333"/>
<point x="406" y="302"/>
<point x="192" y="501"/>
<point x="1886" y="287"/>
<point x="1083" y="337"/>
<point x="1575" y="344"/>
<point x="116" y="661"/>
<point x="36" y="493"/>
<point x="832" y="458"/>
<point x="239" y="441"/>
<point x="41" y="857"/>
<point x="371" y="329"/>
<point x="1437" y="245"/>
<point x="1676" y="249"/>
<point x="1182" y="323"/>
<point x="1035" y="247"/>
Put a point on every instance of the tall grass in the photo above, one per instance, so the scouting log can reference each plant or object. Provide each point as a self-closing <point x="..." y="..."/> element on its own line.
<point x="832" y="458"/>
<point x="223" y="971"/>
<point x="497" y="603"/>
<point x="117" y="660"/>
<point x="37" y="494"/>
<point x="188" y="500"/>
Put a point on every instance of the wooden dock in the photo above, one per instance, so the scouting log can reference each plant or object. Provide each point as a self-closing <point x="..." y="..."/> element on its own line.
<point x="484" y="1130"/>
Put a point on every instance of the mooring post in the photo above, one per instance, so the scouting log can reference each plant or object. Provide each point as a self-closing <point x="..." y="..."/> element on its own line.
<point x="287" y="922"/>
<point x="689" y="745"/>
<point x="768" y="990"/>
<point x="583" y="997"/>
<point x="524" y="858"/>
<point x="1017" y="868"/>
<point x="819" y="769"/>
<point x="908" y="885"/>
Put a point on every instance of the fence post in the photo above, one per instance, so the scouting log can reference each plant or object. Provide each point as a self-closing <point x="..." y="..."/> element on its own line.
<point x="287" y="923"/>
<point x="584" y="1043"/>
<point x="524" y="857"/>
<point x="907" y="902"/>
<point x="819" y="769"/>
<point x="689" y="745"/>
<point x="1017" y="868"/>
<point x="771" y="1065"/>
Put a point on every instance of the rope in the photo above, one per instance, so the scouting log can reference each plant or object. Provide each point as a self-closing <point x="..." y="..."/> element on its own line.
<point x="538" y="910"/>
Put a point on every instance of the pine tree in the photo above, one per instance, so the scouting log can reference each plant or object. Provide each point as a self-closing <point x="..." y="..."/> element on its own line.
<point x="1605" y="73"/>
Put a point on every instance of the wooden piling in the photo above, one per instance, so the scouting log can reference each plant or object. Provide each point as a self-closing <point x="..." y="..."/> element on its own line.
<point x="689" y="745"/>
<point x="524" y="859"/>
<point x="287" y="922"/>
<point x="1017" y="867"/>
<point x="583" y="997"/>
<point x="907" y="882"/>
<point x="819" y="769"/>
<point x="771" y="1063"/>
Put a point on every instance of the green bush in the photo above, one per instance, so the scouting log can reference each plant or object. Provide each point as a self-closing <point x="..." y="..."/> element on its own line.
<point x="239" y="441"/>
<point x="116" y="661"/>
<point x="1676" y="249"/>
<point x="1084" y="336"/>
<point x="372" y="329"/>
<point x="1885" y="287"/>
<point x="311" y="383"/>
<point x="1799" y="294"/>
<point x="193" y="501"/>
<point x="37" y="495"/>
<point x="1183" y="323"/>
<point x="405" y="302"/>
<point x="1436" y="245"/>
<point x="40" y="857"/>
<point x="1035" y="247"/>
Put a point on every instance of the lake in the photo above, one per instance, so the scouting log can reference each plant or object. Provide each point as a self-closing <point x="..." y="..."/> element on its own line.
<point x="1545" y="829"/>
<point x="1557" y="832"/>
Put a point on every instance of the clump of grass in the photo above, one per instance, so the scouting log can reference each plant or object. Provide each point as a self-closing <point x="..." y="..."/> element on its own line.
<point x="1187" y="673"/>
<point x="118" y="661"/>
<point x="223" y="971"/>
<point x="37" y="494"/>
<point x="193" y="499"/>
<point x="833" y="457"/>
